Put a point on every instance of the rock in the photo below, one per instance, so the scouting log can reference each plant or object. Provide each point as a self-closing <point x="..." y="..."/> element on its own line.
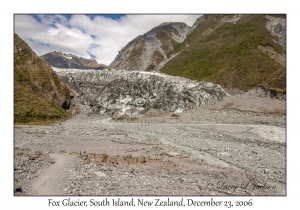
<point x="155" y="45"/>
<point x="172" y="154"/>
<point x="99" y="173"/>
<point x="277" y="27"/>
<point x="259" y="184"/>
<point x="51" y="161"/>
<point x="17" y="187"/>
<point x="254" y="152"/>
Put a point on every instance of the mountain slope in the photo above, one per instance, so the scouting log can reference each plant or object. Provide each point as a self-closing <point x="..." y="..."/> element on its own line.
<point x="235" y="51"/>
<point x="39" y="94"/>
<point x="65" y="61"/>
<point x="149" y="51"/>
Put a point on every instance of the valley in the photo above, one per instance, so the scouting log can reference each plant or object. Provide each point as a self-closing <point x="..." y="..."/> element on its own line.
<point x="181" y="110"/>
<point x="234" y="142"/>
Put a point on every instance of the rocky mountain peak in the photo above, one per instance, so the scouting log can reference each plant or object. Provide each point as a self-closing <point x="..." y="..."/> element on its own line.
<point x="170" y="26"/>
<point x="149" y="52"/>
<point x="68" y="61"/>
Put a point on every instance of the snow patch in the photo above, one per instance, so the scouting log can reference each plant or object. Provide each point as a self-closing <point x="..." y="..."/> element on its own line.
<point x="67" y="57"/>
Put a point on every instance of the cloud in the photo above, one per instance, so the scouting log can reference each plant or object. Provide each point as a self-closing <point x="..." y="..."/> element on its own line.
<point x="81" y="35"/>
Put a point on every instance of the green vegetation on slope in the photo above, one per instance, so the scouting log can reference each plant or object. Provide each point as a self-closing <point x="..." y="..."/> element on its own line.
<point x="150" y="68"/>
<point x="229" y="55"/>
<point x="39" y="94"/>
<point x="29" y="107"/>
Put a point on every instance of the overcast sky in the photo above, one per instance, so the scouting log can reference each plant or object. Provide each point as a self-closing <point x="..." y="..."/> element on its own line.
<point x="96" y="36"/>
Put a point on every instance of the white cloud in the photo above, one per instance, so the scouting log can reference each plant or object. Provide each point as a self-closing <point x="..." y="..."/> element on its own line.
<point x="103" y="37"/>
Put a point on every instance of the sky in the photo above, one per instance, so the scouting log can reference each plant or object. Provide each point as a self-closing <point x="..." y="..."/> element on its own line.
<point x="8" y="25"/>
<point x="90" y="36"/>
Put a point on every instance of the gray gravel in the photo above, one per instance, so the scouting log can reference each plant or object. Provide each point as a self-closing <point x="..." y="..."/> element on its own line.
<point x="237" y="141"/>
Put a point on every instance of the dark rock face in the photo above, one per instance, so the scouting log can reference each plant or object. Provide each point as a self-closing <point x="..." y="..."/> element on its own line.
<point x="118" y="93"/>
<point x="66" y="61"/>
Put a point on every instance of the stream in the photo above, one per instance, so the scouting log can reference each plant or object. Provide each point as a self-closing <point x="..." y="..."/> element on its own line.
<point x="210" y="159"/>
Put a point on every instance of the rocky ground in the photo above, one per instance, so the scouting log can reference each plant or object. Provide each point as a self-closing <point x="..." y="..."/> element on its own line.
<point x="234" y="147"/>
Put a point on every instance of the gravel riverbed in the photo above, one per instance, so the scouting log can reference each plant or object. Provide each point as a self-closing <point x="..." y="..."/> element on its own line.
<point x="234" y="147"/>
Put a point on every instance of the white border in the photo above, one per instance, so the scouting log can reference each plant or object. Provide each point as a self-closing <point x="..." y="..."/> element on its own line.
<point x="140" y="7"/>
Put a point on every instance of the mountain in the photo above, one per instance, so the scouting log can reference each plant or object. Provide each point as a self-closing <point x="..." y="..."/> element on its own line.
<point x="69" y="61"/>
<point x="235" y="51"/>
<point x="39" y="94"/>
<point x="150" y="51"/>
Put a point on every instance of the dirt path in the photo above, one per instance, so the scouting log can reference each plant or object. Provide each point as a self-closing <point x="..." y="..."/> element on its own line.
<point x="49" y="182"/>
<point x="160" y="153"/>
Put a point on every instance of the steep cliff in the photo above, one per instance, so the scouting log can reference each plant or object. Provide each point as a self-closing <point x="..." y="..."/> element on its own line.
<point x="149" y="52"/>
